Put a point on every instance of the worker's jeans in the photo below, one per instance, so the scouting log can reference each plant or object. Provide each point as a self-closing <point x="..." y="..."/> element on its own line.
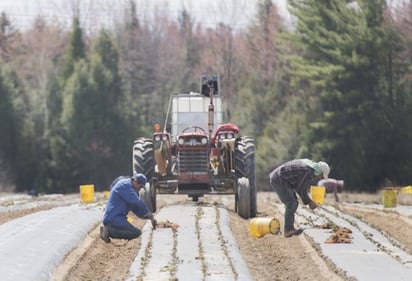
<point x="288" y="197"/>
<point x="123" y="232"/>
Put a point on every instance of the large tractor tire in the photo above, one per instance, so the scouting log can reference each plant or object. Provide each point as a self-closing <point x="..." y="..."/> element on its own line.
<point x="243" y="198"/>
<point x="245" y="167"/>
<point x="143" y="162"/>
<point x="143" y="157"/>
<point x="148" y="196"/>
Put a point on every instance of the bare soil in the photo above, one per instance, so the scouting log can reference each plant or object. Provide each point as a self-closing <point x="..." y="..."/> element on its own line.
<point x="271" y="257"/>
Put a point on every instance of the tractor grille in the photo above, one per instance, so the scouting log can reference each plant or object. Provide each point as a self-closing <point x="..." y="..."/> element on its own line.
<point x="193" y="161"/>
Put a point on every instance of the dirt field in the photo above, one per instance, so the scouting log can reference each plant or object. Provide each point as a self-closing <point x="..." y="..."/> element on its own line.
<point x="272" y="257"/>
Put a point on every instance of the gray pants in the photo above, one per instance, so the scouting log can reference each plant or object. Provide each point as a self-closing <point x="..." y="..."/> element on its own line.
<point x="288" y="197"/>
<point x="123" y="232"/>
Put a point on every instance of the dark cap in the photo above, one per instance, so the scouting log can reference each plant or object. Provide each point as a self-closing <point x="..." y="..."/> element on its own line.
<point x="140" y="178"/>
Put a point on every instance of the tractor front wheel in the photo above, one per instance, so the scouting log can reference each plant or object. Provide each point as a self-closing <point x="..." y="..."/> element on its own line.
<point x="148" y="196"/>
<point x="242" y="198"/>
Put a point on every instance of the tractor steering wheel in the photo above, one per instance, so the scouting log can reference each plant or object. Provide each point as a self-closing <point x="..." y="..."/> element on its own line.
<point x="194" y="129"/>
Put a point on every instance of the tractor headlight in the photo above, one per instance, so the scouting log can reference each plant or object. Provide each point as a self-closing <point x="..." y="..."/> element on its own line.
<point x="222" y="136"/>
<point x="164" y="137"/>
<point x="181" y="141"/>
<point x="157" y="138"/>
<point x="230" y="135"/>
<point x="204" y="141"/>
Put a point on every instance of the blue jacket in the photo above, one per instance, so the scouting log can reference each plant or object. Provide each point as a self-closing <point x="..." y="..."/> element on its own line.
<point x="123" y="198"/>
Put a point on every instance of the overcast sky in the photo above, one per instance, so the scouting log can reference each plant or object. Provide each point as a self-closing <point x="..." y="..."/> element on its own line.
<point x="236" y="13"/>
<point x="95" y="13"/>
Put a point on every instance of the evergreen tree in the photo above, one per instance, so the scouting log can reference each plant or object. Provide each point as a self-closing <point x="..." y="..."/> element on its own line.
<point x="264" y="94"/>
<point x="61" y="170"/>
<point x="130" y="34"/>
<point x="76" y="49"/>
<point x="98" y="142"/>
<point x="328" y="45"/>
<point x="8" y="37"/>
<point x="140" y="59"/>
<point x="112" y="129"/>
<point x="347" y="63"/>
<point x="191" y="52"/>
<point x="9" y="127"/>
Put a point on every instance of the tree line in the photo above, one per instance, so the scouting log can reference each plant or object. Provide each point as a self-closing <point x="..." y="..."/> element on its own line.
<point x="334" y="86"/>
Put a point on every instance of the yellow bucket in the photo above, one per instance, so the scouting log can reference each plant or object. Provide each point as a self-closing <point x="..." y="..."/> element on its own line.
<point x="389" y="198"/>
<point x="259" y="227"/>
<point x="407" y="189"/>
<point x="87" y="193"/>
<point x="317" y="193"/>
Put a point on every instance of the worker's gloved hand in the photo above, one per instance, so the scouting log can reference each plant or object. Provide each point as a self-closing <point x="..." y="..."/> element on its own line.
<point x="154" y="222"/>
<point x="312" y="205"/>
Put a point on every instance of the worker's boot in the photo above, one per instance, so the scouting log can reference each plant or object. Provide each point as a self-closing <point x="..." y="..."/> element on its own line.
<point x="104" y="234"/>
<point x="292" y="232"/>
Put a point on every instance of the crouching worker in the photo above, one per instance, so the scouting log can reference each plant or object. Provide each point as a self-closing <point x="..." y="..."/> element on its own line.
<point x="124" y="198"/>
<point x="295" y="177"/>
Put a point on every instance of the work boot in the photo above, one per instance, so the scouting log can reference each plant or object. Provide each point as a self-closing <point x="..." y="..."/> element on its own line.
<point x="103" y="234"/>
<point x="292" y="232"/>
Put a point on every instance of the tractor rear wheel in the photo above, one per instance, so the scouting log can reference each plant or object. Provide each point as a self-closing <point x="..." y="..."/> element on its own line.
<point x="143" y="162"/>
<point x="143" y="157"/>
<point x="245" y="167"/>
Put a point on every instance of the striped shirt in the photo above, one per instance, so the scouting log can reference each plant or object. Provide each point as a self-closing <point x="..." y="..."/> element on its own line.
<point x="296" y="175"/>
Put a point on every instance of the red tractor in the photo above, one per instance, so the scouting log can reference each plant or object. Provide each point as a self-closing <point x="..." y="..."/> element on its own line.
<point x="194" y="161"/>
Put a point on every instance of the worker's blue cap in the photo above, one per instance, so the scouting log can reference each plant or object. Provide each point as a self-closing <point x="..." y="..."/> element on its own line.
<point x="140" y="178"/>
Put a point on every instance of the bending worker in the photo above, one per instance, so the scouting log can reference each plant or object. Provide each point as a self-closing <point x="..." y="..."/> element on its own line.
<point x="295" y="177"/>
<point x="124" y="198"/>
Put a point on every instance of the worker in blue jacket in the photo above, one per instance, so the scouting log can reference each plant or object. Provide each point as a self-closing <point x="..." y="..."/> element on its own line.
<point x="294" y="177"/>
<point x="124" y="198"/>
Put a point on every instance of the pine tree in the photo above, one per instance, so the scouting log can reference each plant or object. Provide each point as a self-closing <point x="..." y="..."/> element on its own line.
<point x="9" y="127"/>
<point x="191" y="52"/>
<point x="62" y="172"/>
<point x="264" y="94"/>
<point x="98" y="141"/>
<point x="347" y="66"/>
<point x="76" y="49"/>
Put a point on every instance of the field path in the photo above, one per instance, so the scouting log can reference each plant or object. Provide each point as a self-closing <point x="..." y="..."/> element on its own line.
<point x="201" y="247"/>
